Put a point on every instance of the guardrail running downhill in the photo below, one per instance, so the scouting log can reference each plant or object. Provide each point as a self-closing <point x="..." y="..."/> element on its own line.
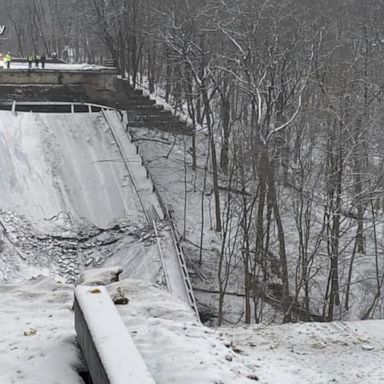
<point x="172" y="265"/>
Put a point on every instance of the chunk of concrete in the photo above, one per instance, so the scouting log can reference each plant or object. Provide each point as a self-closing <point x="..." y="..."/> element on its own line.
<point x="100" y="276"/>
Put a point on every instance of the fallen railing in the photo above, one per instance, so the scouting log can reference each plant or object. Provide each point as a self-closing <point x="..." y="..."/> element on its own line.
<point x="179" y="254"/>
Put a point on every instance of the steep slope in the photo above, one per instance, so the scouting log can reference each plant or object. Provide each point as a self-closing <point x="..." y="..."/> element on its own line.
<point x="53" y="163"/>
<point x="67" y="202"/>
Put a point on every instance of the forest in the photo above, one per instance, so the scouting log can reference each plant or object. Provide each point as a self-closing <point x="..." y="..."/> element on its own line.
<point x="288" y="96"/>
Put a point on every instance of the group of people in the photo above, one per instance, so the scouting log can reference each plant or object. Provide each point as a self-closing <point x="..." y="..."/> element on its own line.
<point x="31" y="58"/>
<point x="37" y="59"/>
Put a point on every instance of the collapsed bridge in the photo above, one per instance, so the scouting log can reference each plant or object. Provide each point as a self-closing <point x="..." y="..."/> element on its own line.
<point x="69" y="167"/>
<point x="85" y="83"/>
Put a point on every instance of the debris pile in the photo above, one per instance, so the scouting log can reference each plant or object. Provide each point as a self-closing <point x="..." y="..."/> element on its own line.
<point x="64" y="253"/>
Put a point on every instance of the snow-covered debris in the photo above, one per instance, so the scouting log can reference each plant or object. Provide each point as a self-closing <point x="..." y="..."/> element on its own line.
<point x="101" y="276"/>
<point x="27" y="251"/>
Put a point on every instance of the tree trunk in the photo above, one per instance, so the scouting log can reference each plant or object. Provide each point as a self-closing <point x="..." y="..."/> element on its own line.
<point x="225" y="120"/>
<point x="213" y="156"/>
<point x="272" y="196"/>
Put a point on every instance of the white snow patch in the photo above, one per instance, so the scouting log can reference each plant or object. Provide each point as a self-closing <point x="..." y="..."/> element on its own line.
<point x="37" y="338"/>
<point x="317" y="353"/>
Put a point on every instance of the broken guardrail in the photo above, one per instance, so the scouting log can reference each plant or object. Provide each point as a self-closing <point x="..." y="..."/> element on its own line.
<point x="179" y="255"/>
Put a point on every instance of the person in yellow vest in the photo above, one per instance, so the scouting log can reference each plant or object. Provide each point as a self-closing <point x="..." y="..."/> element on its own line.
<point x="7" y="60"/>
<point x="31" y="59"/>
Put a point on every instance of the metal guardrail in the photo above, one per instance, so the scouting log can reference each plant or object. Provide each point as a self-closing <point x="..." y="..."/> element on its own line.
<point x="49" y="60"/>
<point x="162" y="257"/>
<point x="130" y="173"/>
<point x="110" y="63"/>
<point x="176" y="243"/>
<point x="183" y="266"/>
<point x="12" y="104"/>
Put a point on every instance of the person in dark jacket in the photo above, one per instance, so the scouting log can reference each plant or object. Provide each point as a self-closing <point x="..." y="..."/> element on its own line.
<point x="42" y="59"/>
<point x="37" y="60"/>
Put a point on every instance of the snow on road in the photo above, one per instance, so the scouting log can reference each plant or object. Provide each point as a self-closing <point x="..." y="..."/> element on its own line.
<point x="52" y="163"/>
<point x="67" y="202"/>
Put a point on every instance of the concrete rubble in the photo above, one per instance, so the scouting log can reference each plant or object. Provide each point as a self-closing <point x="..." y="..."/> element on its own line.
<point x="65" y="253"/>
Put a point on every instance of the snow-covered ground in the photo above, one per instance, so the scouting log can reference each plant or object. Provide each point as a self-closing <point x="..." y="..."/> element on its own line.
<point x="37" y="337"/>
<point x="37" y="342"/>
<point x="317" y="353"/>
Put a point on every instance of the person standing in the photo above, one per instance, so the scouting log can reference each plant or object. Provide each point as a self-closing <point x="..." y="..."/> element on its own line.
<point x="37" y="60"/>
<point x="42" y="59"/>
<point x="30" y="59"/>
<point x="8" y="59"/>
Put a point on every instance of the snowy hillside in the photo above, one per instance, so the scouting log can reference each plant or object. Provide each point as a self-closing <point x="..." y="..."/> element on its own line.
<point x="82" y="214"/>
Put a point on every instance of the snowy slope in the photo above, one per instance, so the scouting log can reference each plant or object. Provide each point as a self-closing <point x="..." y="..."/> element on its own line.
<point x="52" y="163"/>
<point x="67" y="202"/>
